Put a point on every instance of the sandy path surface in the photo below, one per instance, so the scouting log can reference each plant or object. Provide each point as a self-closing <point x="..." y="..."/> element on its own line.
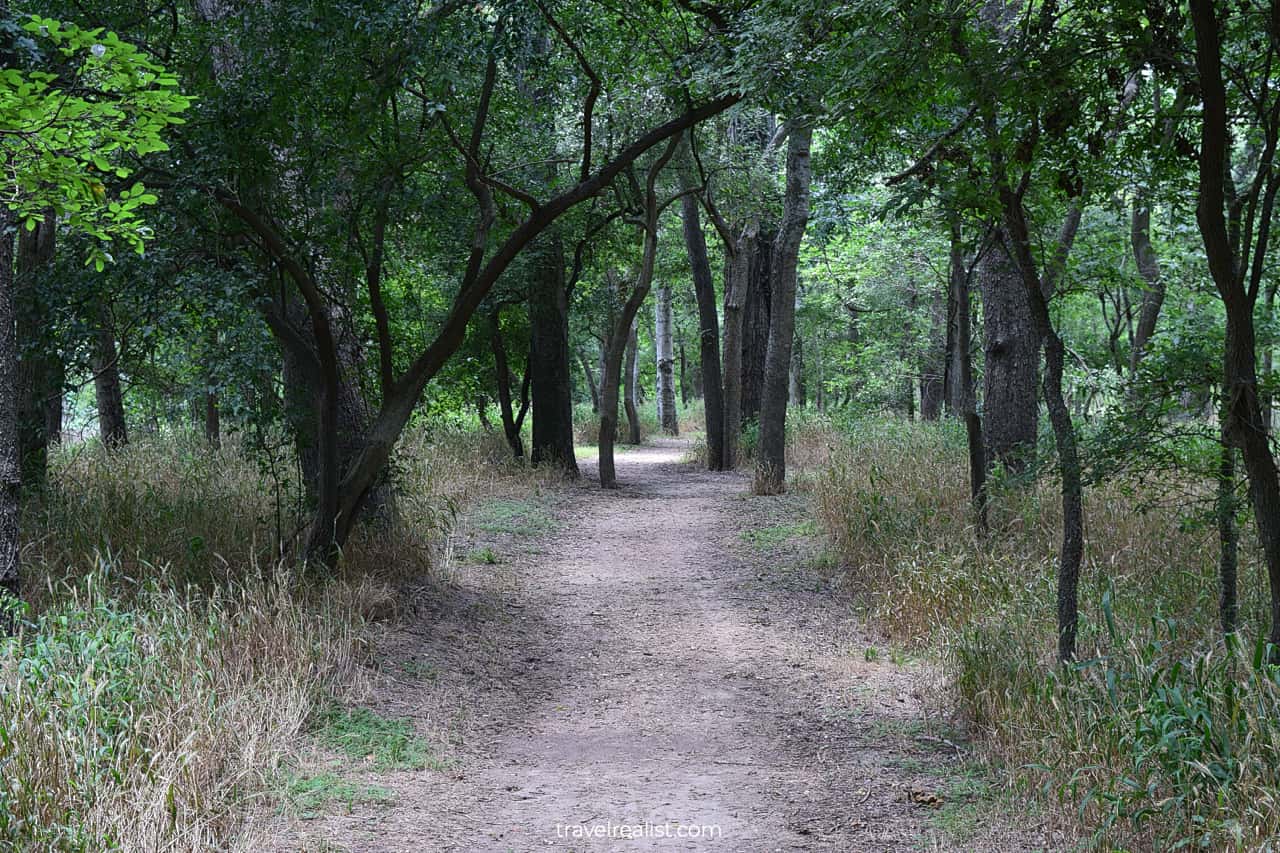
<point x="642" y="673"/>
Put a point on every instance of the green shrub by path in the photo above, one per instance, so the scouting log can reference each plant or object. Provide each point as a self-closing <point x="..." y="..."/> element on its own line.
<point x="1160" y="736"/>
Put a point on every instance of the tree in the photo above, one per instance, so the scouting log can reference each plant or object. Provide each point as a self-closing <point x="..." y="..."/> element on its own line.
<point x="771" y="466"/>
<point x="73" y="104"/>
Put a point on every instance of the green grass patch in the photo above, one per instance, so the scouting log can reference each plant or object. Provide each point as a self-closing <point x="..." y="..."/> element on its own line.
<point x="777" y="535"/>
<point x="486" y="555"/>
<point x="310" y="795"/>
<point x="515" y="517"/>
<point x="390" y="743"/>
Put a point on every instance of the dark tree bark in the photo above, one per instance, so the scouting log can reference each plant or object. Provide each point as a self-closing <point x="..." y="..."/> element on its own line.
<point x="40" y="369"/>
<point x="212" y="420"/>
<point x="756" y="322"/>
<point x="771" y="467"/>
<point x="550" y="381"/>
<point x="1012" y="358"/>
<point x="630" y="387"/>
<point x="960" y="375"/>
<point x="106" y="381"/>
<point x="737" y="277"/>
<point x="712" y="389"/>
<point x="10" y="462"/>
<point x="344" y="493"/>
<point x="1228" y="537"/>
<point x="512" y="421"/>
<point x="1236" y="265"/>
<point x="622" y="334"/>
<point x="684" y="375"/>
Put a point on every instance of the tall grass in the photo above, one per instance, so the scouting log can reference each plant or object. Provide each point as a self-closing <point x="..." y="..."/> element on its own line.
<point x="166" y="661"/>
<point x="1162" y="735"/>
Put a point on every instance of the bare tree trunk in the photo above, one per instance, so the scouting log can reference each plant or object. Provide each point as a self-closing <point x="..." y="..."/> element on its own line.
<point x="106" y="381"/>
<point x="756" y="322"/>
<point x="960" y="374"/>
<point x="771" y="467"/>
<point x="737" y="284"/>
<point x="668" y="417"/>
<point x="10" y="463"/>
<point x="1228" y="536"/>
<point x="631" y="385"/>
<point x="551" y="383"/>
<point x="684" y="375"/>
<point x="704" y="290"/>
<point x="1012" y="348"/>
<point x="40" y="368"/>
<point x="512" y="422"/>
<point x="212" y="420"/>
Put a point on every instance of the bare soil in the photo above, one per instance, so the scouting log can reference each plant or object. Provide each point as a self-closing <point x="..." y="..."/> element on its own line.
<point x="668" y="655"/>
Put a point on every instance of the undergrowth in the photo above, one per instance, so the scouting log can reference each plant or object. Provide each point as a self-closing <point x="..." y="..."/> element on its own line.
<point x="1162" y="736"/>
<point x="168" y="667"/>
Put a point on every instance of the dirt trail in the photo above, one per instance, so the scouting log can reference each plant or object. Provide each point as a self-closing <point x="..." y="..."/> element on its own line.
<point x="641" y="665"/>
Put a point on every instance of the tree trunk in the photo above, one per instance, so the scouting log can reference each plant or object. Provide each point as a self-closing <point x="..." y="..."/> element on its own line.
<point x="106" y="381"/>
<point x="737" y="277"/>
<point x="704" y="290"/>
<point x="1012" y="349"/>
<point x="212" y="420"/>
<point x="684" y="375"/>
<point x="796" y="387"/>
<point x="40" y="368"/>
<point x="591" y="382"/>
<point x="550" y="379"/>
<point x="10" y="462"/>
<point x="668" y="416"/>
<point x="512" y="423"/>
<point x="631" y="386"/>
<point x="771" y="467"/>
<point x="960" y="375"/>
<point x="933" y="369"/>
<point x="1149" y="268"/>
<point x="1244" y="424"/>
<point x="1228" y="537"/>
<point x="756" y="322"/>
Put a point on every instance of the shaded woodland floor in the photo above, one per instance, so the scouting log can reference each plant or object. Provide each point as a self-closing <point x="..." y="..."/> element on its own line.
<point x="671" y="653"/>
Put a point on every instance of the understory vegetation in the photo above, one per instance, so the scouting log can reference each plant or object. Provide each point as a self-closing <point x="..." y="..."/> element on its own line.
<point x="168" y="668"/>
<point x="1162" y="734"/>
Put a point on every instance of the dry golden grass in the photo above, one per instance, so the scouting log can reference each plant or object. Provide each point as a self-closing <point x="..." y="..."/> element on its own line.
<point x="167" y="663"/>
<point x="1161" y="735"/>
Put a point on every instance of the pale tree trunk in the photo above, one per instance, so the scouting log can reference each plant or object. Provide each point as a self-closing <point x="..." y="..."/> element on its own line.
<point x="771" y="467"/>
<point x="668" y="416"/>
<point x="1012" y="349"/>
<point x="631" y="386"/>
<point x="106" y="381"/>
<point x="10" y="470"/>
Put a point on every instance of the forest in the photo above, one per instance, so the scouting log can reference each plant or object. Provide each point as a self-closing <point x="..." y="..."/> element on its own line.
<point x="704" y="425"/>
